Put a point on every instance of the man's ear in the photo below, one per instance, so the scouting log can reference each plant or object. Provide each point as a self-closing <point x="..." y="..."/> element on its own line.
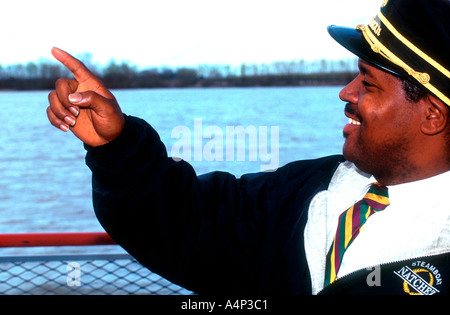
<point x="436" y="115"/>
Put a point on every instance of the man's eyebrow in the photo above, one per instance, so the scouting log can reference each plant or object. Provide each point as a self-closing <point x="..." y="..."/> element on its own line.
<point x="363" y="68"/>
<point x="367" y="70"/>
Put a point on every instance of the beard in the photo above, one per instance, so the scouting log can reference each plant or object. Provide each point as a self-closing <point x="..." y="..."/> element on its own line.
<point x="389" y="162"/>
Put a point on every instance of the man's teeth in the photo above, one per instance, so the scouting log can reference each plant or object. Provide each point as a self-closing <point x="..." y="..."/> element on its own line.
<point x="353" y="122"/>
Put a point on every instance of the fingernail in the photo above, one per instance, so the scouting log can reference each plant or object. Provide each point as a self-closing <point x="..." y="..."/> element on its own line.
<point x="69" y="120"/>
<point x="75" y="97"/>
<point x="74" y="111"/>
<point x="64" y="128"/>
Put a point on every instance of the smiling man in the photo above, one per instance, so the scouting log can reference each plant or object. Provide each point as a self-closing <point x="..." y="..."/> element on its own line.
<point x="388" y="131"/>
<point x="373" y="221"/>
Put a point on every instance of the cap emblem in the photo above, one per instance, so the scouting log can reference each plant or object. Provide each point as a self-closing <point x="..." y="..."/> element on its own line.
<point x="375" y="26"/>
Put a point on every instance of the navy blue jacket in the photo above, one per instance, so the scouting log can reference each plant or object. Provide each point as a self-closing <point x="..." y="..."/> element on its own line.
<point x="214" y="233"/>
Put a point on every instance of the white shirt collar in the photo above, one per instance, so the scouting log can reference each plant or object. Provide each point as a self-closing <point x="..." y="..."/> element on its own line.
<point x="426" y="192"/>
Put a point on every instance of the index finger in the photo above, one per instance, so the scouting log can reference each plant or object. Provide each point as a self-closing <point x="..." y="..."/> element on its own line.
<point x="78" y="69"/>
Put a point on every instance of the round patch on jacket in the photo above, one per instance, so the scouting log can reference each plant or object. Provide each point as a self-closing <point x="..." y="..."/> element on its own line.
<point x="420" y="278"/>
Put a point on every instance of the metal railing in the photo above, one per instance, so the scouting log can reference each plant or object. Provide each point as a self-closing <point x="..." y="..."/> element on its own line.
<point x="99" y="274"/>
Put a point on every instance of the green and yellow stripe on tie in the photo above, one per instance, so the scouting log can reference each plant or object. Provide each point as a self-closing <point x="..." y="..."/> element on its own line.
<point x="350" y="224"/>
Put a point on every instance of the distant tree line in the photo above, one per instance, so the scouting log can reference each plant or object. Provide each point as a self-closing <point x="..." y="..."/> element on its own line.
<point x="43" y="74"/>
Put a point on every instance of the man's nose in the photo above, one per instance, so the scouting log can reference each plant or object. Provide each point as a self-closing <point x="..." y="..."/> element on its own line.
<point x="350" y="92"/>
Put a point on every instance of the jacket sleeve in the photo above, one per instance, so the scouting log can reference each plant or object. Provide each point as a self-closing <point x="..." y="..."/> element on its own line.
<point x="201" y="232"/>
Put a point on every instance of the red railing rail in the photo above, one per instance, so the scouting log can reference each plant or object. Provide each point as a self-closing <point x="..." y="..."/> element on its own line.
<point x="55" y="239"/>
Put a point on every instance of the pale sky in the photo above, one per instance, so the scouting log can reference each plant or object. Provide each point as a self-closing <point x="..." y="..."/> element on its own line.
<point x="177" y="33"/>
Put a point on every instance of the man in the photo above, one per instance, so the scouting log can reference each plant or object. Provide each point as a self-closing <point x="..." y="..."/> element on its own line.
<point x="278" y="232"/>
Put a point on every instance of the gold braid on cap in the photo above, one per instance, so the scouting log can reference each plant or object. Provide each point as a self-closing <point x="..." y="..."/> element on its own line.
<point x="411" y="46"/>
<point x="378" y="47"/>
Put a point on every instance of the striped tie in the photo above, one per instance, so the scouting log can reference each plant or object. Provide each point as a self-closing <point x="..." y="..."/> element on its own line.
<point x="350" y="224"/>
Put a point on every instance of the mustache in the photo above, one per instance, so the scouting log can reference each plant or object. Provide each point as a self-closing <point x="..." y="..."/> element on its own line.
<point x="352" y="110"/>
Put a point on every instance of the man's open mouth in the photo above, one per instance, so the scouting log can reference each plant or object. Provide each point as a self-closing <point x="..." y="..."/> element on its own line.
<point x="353" y="122"/>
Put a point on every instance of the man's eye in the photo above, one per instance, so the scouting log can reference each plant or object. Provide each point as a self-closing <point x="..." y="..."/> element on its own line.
<point x="367" y="84"/>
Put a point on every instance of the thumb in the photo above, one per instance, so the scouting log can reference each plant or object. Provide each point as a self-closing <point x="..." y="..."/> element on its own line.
<point x="98" y="115"/>
<point x="103" y="107"/>
<point x="99" y="104"/>
<point x="89" y="99"/>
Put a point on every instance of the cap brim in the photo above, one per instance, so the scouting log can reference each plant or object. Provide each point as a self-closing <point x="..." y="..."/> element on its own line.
<point x="353" y="40"/>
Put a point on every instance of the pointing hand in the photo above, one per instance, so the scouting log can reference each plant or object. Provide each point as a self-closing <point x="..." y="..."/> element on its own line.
<point x="84" y="105"/>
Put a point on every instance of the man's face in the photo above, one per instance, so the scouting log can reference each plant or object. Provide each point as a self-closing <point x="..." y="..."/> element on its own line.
<point x="382" y="123"/>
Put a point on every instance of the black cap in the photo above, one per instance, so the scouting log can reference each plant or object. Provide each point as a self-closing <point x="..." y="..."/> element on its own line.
<point x="407" y="38"/>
